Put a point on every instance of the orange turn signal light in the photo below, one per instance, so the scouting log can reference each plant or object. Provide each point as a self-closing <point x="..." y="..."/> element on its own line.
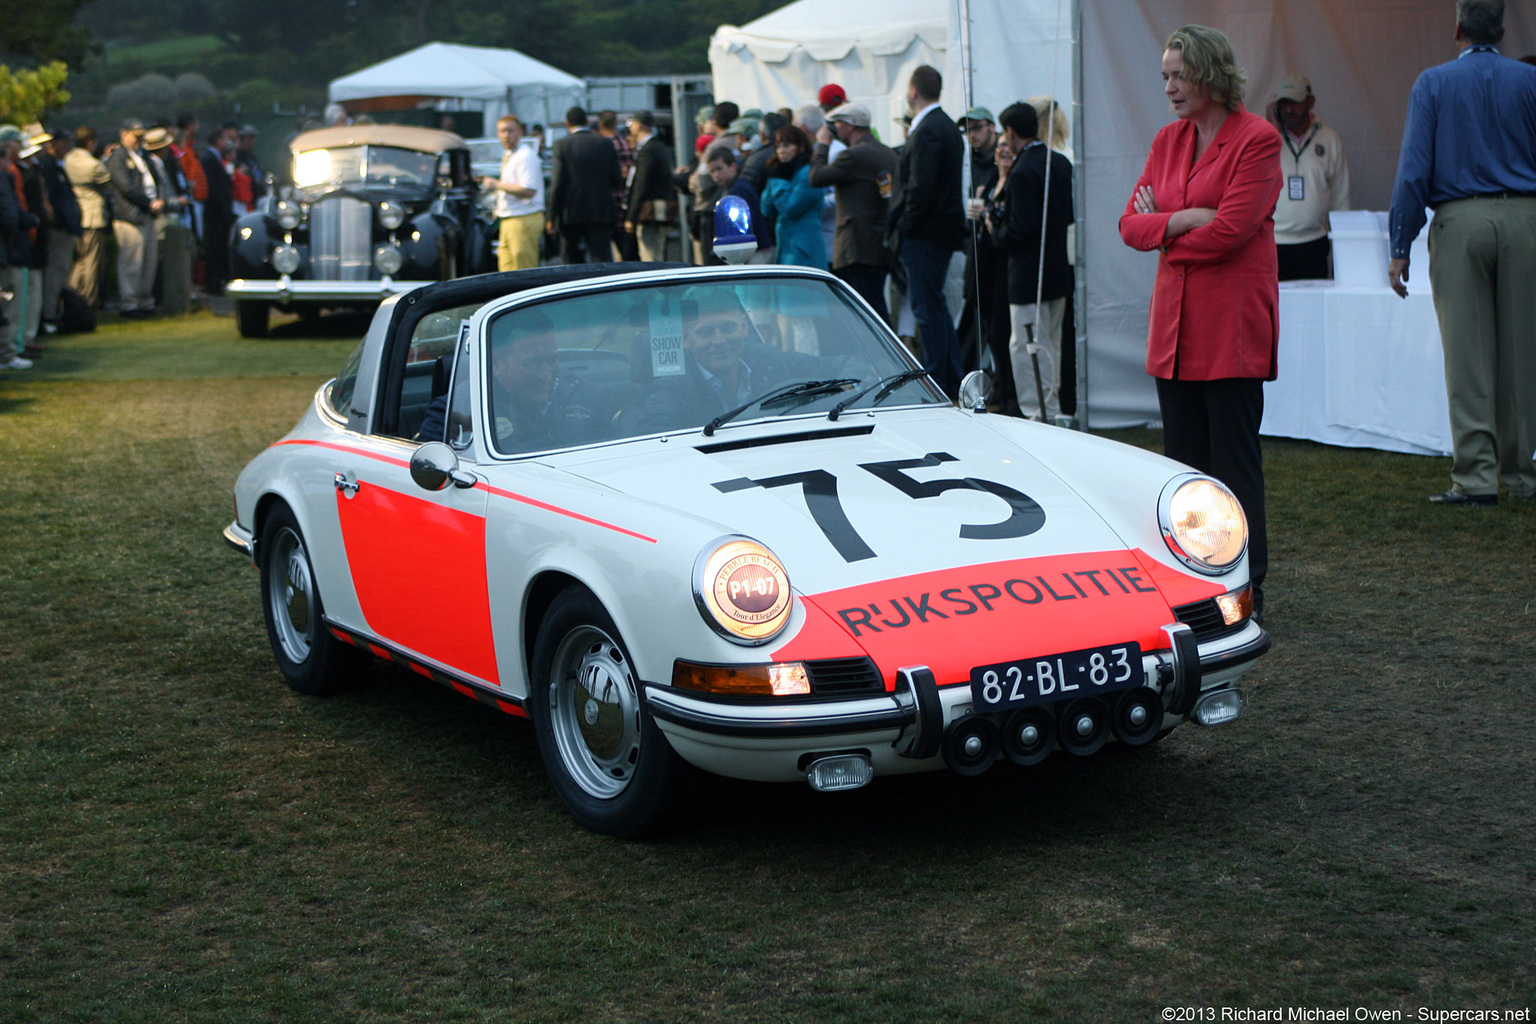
<point x="780" y="679"/>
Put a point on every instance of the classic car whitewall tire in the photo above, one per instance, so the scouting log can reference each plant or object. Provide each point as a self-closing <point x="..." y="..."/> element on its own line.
<point x="611" y="766"/>
<point x="252" y="317"/>
<point x="312" y="660"/>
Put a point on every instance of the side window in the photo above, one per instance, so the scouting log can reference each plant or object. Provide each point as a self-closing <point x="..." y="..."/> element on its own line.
<point x="461" y="426"/>
<point x="345" y="384"/>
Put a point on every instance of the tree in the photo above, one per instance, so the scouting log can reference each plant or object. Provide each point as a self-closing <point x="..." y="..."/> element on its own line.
<point x="25" y="95"/>
<point x="43" y="30"/>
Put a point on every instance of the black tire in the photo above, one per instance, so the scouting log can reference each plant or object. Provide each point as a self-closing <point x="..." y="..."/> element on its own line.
<point x="607" y="759"/>
<point x="311" y="659"/>
<point x="252" y="317"/>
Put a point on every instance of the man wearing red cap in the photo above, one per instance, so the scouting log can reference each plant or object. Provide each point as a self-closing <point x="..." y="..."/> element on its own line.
<point x="831" y="97"/>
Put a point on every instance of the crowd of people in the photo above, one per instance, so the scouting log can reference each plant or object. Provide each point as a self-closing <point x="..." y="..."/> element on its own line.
<point x="824" y="190"/>
<point x="135" y="224"/>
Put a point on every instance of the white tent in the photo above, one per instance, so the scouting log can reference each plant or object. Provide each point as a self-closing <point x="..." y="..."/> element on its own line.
<point x="869" y="47"/>
<point x="1101" y="61"/>
<point x="446" y="76"/>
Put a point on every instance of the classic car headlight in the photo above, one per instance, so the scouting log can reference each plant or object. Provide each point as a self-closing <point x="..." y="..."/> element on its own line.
<point x="391" y="215"/>
<point x="1203" y="524"/>
<point x="388" y="260"/>
<point x="312" y="168"/>
<point x="285" y="259"/>
<point x="742" y="590"/>
<point x="289" y="215"/>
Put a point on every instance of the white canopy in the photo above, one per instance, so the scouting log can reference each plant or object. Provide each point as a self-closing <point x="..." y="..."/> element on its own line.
<point x="869" y="47"/>
<point x="494" y="81"/>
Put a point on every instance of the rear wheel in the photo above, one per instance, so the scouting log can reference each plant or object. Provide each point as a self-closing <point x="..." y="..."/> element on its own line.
<point x="609" y="762"/>
<point x="311" y="659"/>
<point x="252" y="316"/>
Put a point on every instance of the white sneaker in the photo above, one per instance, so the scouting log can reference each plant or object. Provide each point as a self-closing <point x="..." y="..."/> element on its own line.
<point x="18" y="363"/>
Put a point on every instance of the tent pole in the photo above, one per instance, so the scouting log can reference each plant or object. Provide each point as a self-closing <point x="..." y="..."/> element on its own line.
<point x="1079" y="189"/>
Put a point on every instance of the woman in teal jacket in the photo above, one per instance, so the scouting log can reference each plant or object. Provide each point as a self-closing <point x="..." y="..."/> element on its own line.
<point x="793" y="204"/>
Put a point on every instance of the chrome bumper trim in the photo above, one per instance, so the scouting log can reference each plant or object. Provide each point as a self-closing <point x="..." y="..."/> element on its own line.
<point x="241" y="539"/>
<point x="285" y="289"/>
<point x="826" y="718"/>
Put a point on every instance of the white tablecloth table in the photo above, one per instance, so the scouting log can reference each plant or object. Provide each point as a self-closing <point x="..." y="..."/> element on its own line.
<point x="1360" y="367"/>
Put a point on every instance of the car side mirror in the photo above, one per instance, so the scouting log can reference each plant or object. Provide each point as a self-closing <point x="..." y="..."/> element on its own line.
<point x="435" y="466"/>
<point x="975" y="390"/>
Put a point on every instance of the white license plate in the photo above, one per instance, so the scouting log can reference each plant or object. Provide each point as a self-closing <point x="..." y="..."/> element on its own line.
<point x="1017" y="684"/>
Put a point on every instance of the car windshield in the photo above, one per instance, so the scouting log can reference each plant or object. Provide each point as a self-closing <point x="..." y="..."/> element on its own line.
<point x="323" y="170"/>
<point x="707" y="356"/>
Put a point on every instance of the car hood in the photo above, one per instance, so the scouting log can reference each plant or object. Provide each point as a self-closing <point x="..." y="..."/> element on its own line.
<point x="907" y="531"/>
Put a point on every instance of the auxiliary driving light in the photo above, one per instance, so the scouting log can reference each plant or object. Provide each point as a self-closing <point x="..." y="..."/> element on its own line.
<point x="970" y="745"/>
<point x="1219" y="707"/>
<point x="1138" y="716"/>
<point x="285" y="259"/>
<point x="388" y="260"/>
<point x="835" y="774"/>
<point x="1082" y="726"/>
<point x="1029" y="735"/>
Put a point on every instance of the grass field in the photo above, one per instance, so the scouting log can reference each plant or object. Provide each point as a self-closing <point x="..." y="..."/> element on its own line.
<point x="183" y="839"/>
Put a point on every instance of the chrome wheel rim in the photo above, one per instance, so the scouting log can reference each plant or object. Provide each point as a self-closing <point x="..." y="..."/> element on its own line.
<point x="594" y="708"/>
<point x="292" y="596"/>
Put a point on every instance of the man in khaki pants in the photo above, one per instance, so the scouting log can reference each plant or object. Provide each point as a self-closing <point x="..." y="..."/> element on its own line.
<point x="519" y="198"/>
<point x="1468" y="152"/>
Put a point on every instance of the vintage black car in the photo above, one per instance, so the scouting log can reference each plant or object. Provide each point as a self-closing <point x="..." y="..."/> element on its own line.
<point x="372" y="210"/>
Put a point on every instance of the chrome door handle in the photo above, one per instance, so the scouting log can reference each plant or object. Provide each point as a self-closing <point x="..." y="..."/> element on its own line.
<point x="346" y="484"/>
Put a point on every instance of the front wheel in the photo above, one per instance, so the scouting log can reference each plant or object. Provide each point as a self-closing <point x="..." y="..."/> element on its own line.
<point x="609" y="762"/>
<point x="311" y="659"/>
<point x="252" y="317"/>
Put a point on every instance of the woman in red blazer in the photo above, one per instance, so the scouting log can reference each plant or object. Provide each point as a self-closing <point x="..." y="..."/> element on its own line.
<point x="1206" y="202"/>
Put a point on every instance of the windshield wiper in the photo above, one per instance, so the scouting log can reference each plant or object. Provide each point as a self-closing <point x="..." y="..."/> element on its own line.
<point x="780" y="394"/>
<point x="890" y="383"/>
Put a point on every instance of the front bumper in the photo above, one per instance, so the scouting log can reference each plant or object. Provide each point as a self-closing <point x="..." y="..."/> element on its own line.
<point x="286" y="290"/>
<point x="774" y="742"/>
<point x="242" y="540"/>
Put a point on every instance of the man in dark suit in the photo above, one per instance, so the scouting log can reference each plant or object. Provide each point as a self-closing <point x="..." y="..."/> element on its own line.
<point x="219" y="209"/>
<point x="649" y="209"/>
<point x="862" y="178"/>
<point x="1037" y="299"/>
<point x="929" y="218"/>
<point x="583" y="178"/>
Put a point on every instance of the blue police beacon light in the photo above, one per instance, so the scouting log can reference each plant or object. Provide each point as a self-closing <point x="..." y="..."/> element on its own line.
<point x="734" y="241"/>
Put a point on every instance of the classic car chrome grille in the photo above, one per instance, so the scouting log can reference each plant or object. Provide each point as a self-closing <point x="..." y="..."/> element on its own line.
<point x="341" y="239"/>
<point x="1204" y="620"/>
<point x="844" y="675"/>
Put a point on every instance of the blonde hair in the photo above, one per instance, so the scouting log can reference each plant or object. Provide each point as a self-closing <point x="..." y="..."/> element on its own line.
<point x="1049" y="113"/>
<point x="1209" y="64"/>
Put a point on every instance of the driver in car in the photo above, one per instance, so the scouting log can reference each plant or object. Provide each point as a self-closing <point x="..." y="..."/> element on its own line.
<point x="725" y="364"/>
<point x="531" y="406"/>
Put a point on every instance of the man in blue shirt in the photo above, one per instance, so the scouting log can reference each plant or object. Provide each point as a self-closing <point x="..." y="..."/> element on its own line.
<point x="1469" y="151"/>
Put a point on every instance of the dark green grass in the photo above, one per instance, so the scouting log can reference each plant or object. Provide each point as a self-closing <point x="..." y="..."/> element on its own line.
<point x="181" y="838"/>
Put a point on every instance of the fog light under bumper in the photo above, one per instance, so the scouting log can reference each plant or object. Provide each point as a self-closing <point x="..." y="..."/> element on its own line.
<point x="1219" y="707"/>
<point x="844" y="771"/>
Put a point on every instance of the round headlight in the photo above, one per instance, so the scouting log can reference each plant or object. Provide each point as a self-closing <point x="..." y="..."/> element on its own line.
<point x="1203" y="524"/>
<point x="289" y="215"/>
<point x="388" y="260"/>
<point x="285" y="259"/>
<point x="742" y="590"/>
<point x="391" y="215"/>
